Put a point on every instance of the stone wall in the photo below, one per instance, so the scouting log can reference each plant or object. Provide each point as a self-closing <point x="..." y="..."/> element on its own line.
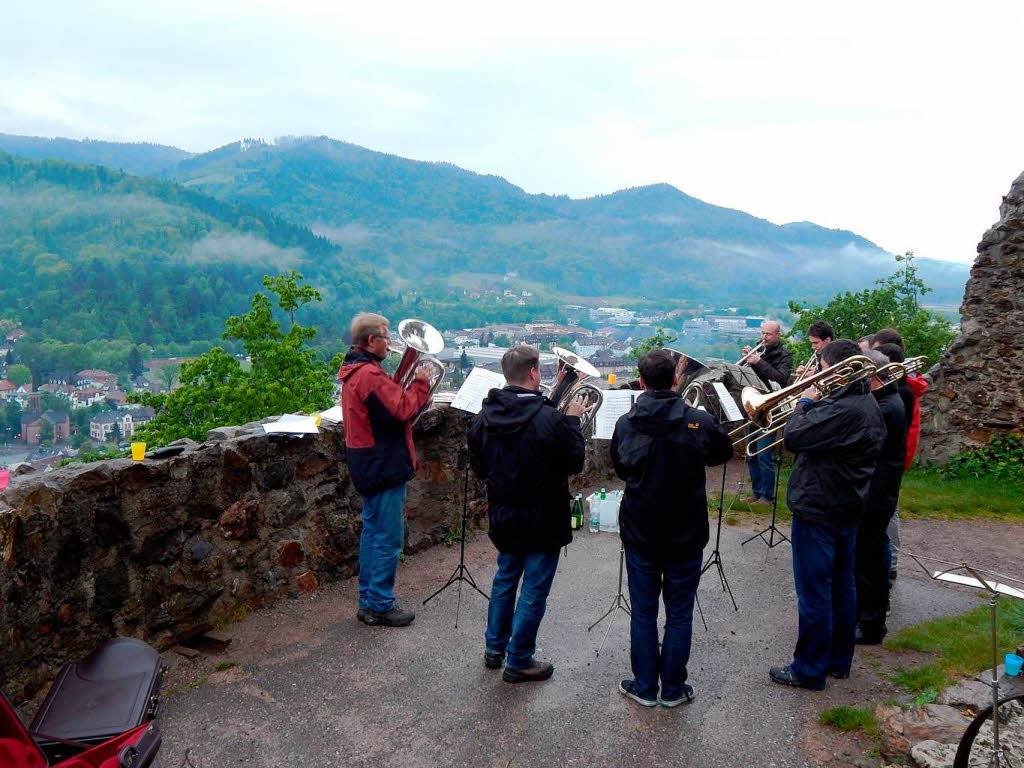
<point x="977" y="388"/>
<point x="164" y="549"/>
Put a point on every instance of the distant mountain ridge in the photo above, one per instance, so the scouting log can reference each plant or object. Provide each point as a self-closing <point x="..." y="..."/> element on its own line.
<point x="429" y="221"/>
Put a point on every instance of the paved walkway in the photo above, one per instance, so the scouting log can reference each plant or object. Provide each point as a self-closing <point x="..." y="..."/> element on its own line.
<point x="314" y="687"/>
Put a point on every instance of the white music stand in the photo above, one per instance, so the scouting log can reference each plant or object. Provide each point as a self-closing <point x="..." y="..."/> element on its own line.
<point x="993" y="584"/>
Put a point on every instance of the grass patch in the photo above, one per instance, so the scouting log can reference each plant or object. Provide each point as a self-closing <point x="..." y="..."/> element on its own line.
<point x="850" y="719"/>
<point x="452" y="536"/>
<point x="962" y="642"/>
<point x="221" y="666"/>
<point x="926" y="493"/>
<point x="929" y="678"/>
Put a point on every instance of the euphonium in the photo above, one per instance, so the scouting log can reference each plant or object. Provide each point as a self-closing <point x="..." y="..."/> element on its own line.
<point x="569" y="385"/>
<point x="421" y="342"/>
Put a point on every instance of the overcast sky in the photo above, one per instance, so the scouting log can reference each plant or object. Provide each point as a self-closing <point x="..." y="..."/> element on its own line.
<point x="900" y="121"/>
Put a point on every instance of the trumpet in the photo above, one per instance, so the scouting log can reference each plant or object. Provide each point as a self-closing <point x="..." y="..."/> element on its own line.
<point x="569" y="385"/>
<point x="769" y="413"/>
<point x="755" y="351"/>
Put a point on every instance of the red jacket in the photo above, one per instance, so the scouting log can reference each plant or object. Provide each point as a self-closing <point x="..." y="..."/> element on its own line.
<point x="377" y="414"/>
<point x="917" y="386"/>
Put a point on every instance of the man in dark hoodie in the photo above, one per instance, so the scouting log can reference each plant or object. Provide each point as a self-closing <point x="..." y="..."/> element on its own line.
<point x="526" y="450"/>
<point x="774" y="364"/>
<point x="377" y="414"/>
<point x="836" y="440"/>
<point x="660" y="449"/>
<point x="873" y="555"/>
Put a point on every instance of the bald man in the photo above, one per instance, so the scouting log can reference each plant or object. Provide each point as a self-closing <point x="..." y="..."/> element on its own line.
<point x="774" y="364"/>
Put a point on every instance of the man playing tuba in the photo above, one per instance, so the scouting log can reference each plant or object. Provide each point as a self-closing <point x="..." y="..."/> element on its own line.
<point x="377" y="413"/>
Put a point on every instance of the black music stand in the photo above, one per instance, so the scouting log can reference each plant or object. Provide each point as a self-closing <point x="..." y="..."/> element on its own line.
<point x="461" y="572"/>
<point x="993" y="584"/>
<point x="619" y="602"/>
<point x="715" y="558"/>
<point x="772" y="530"/>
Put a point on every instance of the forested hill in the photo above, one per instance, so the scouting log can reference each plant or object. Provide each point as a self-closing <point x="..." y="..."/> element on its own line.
<point x="434" y="225"/>
<point x="91" y="253"/>
<point x="140" y="159"/>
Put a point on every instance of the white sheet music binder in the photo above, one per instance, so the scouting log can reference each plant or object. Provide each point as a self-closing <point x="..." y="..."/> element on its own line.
<point x="614" y="403"/>
<point x="471" y="394"/>
<point x="729" y="407"/>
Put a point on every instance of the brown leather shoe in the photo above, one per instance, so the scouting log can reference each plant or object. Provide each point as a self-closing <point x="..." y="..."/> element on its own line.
<point x="537" y="671"/>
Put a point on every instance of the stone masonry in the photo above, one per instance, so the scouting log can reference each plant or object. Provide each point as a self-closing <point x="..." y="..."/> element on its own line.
<point x="165" y="549"/>
<point x="978" y="386"/>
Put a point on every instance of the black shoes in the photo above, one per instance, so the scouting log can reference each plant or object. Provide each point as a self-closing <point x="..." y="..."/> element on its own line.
<point x="869" y="635"/>
<point x="628" y="689"/>
<point x="536" y="672"/>
<point x="839" y="675"/>
<point x="687" y="697"/>
<point x="493" y="660"/>
<point x="786" y="676"/>
<point x="396" y="617"/>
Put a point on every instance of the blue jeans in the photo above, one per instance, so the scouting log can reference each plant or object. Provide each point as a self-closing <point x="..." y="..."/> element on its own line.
<point x="823" y="570"/>
<point x="380" y="543"/>
<point x="647" y="578"/>
<point x="512" y="626"/>
<point x="762" y="470"/>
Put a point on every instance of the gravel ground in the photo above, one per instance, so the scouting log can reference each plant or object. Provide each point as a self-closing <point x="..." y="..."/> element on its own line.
<point x="312" y="686"/>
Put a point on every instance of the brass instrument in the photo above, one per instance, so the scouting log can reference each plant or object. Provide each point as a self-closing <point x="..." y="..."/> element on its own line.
<point x="893" y="372"/>
<point x="770" y="412"/>
<point x="755" y="351"/>
<point x="812" y="362"/>
<point x="686" y="372"/>
<point x="420" y="342"/>
<point x="569" y="385"/>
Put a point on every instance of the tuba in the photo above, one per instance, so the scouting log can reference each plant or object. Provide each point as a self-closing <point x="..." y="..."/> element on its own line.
<point x="420" y="342"/>
<point x="770" y="412"/>
<point x="569" y="385"/>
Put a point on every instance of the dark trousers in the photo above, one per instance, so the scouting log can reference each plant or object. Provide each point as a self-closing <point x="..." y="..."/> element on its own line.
<point x="874" y="559"/>
<point x="678" y="578"/>
<point x="762" y="470"/>
<point x="823" y="571"/>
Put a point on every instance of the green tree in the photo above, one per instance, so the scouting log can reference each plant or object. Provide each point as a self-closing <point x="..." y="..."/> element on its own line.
<point x="661" y="338"/>
<point x="501" y="340"/>
<point x="893" y="304"/>
<point x="168" y="375"/>
<point x="464" y="362"/>
<point x="135" y="362"/>
<point x="12" y="413"/>
<point x="19" y="375"/>
<point x="46" y="433"/>
<point x="215" y="391"/>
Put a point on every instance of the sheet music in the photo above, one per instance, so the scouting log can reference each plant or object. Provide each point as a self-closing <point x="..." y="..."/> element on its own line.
<point x="332" y="414"/>
<point x="471" y="394"/>
<point x="732" y="411"/>
<point x="615" y="403"/>
<point x="293" y="424"/>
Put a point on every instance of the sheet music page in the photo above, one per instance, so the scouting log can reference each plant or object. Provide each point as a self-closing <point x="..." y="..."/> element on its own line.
<point x="471" y="394"/>
<point x="615" y="403"/>
<point x="332" y="414"/>
<point x="293" y="424"/>
<point x="732" y="411"/>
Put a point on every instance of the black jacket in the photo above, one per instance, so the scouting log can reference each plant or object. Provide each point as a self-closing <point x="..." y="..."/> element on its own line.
<point x="885" y="483"/>
<point x="525" y="449"/>
<point x="836" y="441"/>
<point x="775" y="364"/>
<point x="660" y="448"/>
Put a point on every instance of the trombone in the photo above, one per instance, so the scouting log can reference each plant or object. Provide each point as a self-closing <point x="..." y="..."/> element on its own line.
<point x="893" y="372"/>
<point x="811" y="363"/>
<point x="769" y="413"/>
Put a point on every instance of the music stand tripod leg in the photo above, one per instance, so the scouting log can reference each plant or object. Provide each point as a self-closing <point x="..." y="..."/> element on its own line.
<point x="461" y="572"/>
<point x="771" y="530"/>
<point x="715" y="558"/>
<point x="619" y="602"/>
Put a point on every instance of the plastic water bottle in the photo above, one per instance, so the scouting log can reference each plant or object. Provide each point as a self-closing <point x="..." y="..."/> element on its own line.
<point x="603" y="496"/>
<point x="595" y="516"/>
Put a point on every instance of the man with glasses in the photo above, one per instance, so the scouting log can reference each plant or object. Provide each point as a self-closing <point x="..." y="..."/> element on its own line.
<point x="774" y="364"/>
<point x="378" y="415"/>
